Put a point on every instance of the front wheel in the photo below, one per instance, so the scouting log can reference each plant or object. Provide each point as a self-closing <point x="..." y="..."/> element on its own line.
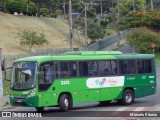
<point x="64" y="102"/>
<point x="128" y="97"/>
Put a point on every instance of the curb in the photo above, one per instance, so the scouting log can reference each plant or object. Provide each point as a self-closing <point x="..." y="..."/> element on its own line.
<point x="6" y="108"/>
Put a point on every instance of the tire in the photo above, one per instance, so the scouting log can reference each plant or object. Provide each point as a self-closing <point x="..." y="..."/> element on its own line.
<point x="39" y="109"/>
<point x="64" y="102"/>
<point x="128" y="97"/>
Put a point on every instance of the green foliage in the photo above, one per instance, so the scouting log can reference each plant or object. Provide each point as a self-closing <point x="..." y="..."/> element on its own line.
<point x="24" y="6"/>
<point x="143" y="39"/>
<point x="58" y="12"/>
<point x="44" y="11"/>
<point x="53" y="15"/>
<point x="78" y="6"/>
<point x="15" y="6"/>
<point x="104" y="22"/>
<point x="32" y="9"/>
<point x="91" y="12"/>
<point x="31" y="38"/>
<point x="94" y="31"/>
<point x="150" y="19"/>
<point x="127" y="5"/>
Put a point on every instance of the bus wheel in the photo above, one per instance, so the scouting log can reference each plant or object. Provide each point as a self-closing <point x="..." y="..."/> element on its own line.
<point x="39" y="109"/>
<point x="128" y="97"/>
<point x="64" y="102"/>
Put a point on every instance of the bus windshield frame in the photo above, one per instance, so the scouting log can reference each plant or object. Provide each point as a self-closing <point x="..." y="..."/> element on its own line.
<point x="23" y="75"/>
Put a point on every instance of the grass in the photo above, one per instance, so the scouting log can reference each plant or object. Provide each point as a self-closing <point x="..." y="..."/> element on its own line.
<point x="56" y="31"/>
<point x="6" y="87"/>
<point x="110" y="31"/>
<point x="157" y="57"/>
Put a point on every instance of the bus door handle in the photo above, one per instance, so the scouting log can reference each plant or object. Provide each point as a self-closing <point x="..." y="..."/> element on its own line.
<point x="53" y="88"/>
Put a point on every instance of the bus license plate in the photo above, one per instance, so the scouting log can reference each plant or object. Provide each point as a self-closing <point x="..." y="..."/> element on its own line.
<point x="19" y="100"/>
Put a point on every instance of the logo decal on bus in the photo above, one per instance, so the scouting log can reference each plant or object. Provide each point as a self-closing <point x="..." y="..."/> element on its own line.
<point x="101" y="82"/>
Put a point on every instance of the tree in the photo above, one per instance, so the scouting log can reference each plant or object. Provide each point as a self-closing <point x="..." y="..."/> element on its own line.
<point x="131" y="5"/>
<point x="31" y="38"/>
<point x="94" y="30"/>
<point x="58" y="12"/>
<point x="31" y="8"/>
<point x="142" y="39"/>
<point x="44" y="11"/>
<point x="15" y="6"/>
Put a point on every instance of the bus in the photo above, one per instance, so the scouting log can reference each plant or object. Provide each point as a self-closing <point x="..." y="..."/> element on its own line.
<point x="82" y="76"/>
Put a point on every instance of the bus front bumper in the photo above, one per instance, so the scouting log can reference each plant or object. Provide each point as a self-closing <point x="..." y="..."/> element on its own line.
<point x="28" y="101"/>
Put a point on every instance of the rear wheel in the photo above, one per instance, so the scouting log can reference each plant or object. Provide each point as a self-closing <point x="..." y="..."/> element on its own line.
<point x="39" y="109"/>
<point x="64" y="102"/>
<point x="127" y="98"/>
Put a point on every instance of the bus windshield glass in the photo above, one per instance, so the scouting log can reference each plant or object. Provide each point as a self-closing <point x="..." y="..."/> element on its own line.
<point x="23" y="76"/>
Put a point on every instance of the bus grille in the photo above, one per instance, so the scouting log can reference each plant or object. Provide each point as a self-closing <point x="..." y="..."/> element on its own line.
<point x="20" y="104"/>
<point x="19" y="97"/>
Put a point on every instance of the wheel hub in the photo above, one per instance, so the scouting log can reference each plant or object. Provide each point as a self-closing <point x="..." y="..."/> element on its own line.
<point x="66" y="101"/>
<point x="128" y="98"/>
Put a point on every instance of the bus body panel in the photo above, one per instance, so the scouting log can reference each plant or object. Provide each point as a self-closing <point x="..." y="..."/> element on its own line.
<point x="85" y="89"/>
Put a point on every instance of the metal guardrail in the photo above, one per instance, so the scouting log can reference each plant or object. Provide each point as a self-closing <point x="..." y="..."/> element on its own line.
<point x="108" y="41"/>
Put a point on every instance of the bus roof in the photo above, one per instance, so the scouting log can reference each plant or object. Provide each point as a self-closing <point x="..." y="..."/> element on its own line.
<point x="87" y="56"/>
<point x="94" y="53"/>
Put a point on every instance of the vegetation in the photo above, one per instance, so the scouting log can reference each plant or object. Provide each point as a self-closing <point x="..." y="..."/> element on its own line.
<point x="56" y="31"/>
<point x="157" y="54"/>
<point x="20" y="6"/>
<point x="142" y="39"/>
<point x="131" y="5"/>
<point x="93" y="27"/>
<point x="15" y="6"/>
<point x="31" y="38"/>
<point x="6" y="87"/>
<point x="44" y="11"/>
<point x="150" y="19"/>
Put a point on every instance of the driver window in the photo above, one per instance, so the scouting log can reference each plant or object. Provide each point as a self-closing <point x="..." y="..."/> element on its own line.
<point x="46" y="75"/>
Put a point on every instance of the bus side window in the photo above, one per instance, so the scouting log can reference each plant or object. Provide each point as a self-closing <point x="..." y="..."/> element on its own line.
<point x="105" y="68"/>
<point x="92" y="68"/>
<point x="148" y="66"/>
<point x="57" y="72"/>
<point x="72" y="68"/>
<point x="83" y="68"/>
<point x="68" y="69"/>
<point x="140" y="66"/>
<point x="63" y="69"/>
<point x="114" y="67"/>
<point x="108" y="67"/>
<point x="131" y="67"/>
<point x="123" y="66"/>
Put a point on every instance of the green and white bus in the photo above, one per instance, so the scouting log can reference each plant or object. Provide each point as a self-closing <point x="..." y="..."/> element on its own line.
<point x="82" y="76"/>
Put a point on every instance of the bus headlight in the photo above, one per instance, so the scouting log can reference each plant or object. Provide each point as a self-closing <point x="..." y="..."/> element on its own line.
<point x="31" y="94"/>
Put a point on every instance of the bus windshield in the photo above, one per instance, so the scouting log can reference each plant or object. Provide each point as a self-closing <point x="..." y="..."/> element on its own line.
<point x="23" y="75"/>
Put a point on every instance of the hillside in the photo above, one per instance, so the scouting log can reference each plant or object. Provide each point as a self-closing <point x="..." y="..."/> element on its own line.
<point x="56" y="31"/>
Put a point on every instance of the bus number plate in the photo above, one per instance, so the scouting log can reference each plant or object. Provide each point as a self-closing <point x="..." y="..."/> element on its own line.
<point x="19" y="101"/>
<point x="65" y="82"/>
